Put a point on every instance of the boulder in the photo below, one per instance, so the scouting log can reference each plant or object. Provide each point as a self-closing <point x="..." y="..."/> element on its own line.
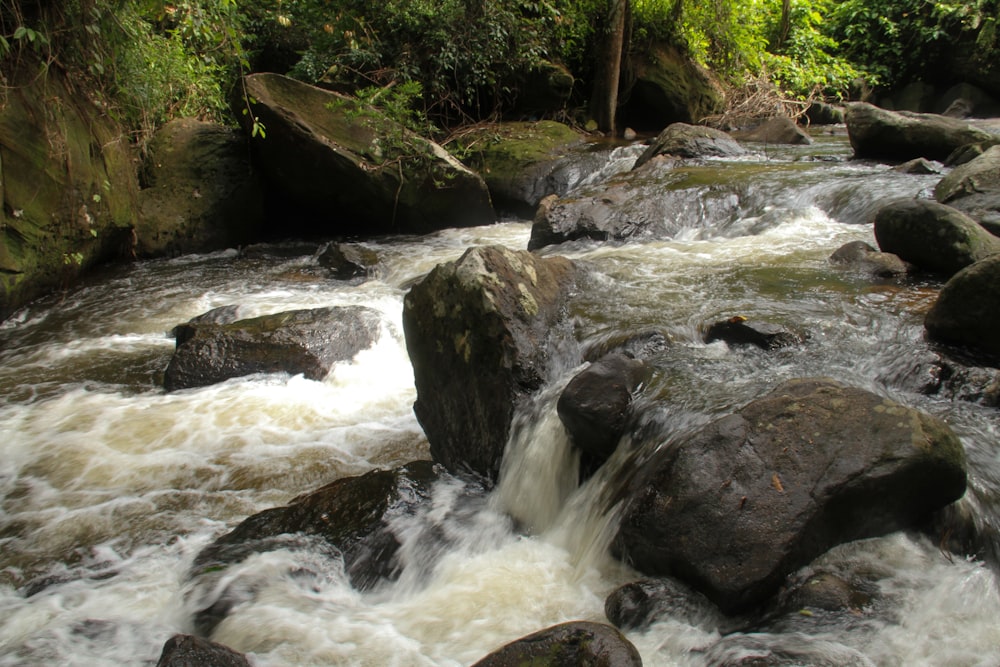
<point x="349" y="518"/>
<point x="669" y="87"/>
<point x="822" y="113"/>
<point x="524" y="162"/>
<point x="917" y="166"/>
<point x="639" y="604"/>
<point x="594" y="405"/>
<point x="752" y="497"/>
<point x="781" y="130"/>
<point x="974" y="187"/>
<point x="643" y="344"/>
<point x="690" y="141"/>
<point x="309" y="342"/>
<point x="967" y="311"/>
<point x="346" y="261"/>
<point x="899" y="136"/>
<point x="659" y="200"/>
<point x="863" y="258"/>
<point x="932" y="236"/>
<point x="342" y="168"/>
<point x="199" y="191"/>
<point x="191" y="651"/>
<point x="477" y="332"/>
<point x="739" y="331"/>
<point x="569" y="644"/>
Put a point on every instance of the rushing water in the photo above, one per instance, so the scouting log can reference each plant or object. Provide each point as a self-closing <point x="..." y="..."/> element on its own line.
<point x="109" y="486"/>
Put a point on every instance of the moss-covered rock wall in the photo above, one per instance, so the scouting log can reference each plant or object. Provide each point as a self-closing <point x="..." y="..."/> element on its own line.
<point x="67" y="183"/>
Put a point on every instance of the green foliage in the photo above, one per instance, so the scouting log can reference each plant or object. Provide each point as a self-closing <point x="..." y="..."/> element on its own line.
<point x="737" y="38"/>
<point x="151" y="60"/>
<point x="467" y="54"/>
<point x="901" y="40"/>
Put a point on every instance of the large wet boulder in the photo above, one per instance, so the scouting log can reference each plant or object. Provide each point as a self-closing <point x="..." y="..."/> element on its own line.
<point x="349" y="519"/>
<point x="899" y="136"/>
<point x="669" y="87"/>
<point x="974" y="188"/>
<point x="309" y="342"/>
<point x="967" y="311"/>
<point x="736" y="507"/>
<point x="569" y="644"/>
<point x="594" y="406"/>
<point x="523" y="162"/>
<point x="191" y="651"/>
<point x="199" y="191"/>
<point x="343" y="168"/>
<point x="477" y="332"/>
<point x="932" y="236"/>
<point x="661" y="199"/>
<point x="690" y="141"/>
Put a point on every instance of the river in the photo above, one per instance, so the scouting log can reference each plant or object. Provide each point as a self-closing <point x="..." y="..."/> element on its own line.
<point x="110" y="486"/>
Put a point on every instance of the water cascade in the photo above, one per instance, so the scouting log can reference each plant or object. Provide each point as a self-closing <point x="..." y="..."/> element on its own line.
<point x="109" y="486"/>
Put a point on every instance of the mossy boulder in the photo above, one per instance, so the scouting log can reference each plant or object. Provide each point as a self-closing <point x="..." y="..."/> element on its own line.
<point x="68" y="185"/>
<point x="967" y="311"/>
<point x="342" y="168"/>
<point x="200" y="192"/>
<point x="521" y="161"/>
<point x="974" y="187"/>
<point x="932" y="236"/>
<point x="478" y="334"/>
<point x="881" y="134"/>
<point x="669" y="87"/>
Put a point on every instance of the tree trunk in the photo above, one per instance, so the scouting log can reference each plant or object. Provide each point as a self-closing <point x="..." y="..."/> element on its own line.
<point x="786" y="23"/>
<point x="604" y="101"/>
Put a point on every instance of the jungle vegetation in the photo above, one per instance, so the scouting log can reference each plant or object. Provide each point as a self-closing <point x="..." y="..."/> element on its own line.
<point x="441" y="63"/>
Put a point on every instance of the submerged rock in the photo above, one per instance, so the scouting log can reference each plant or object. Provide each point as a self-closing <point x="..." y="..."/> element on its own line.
<point x="754" y="496"/>
<point x="899" y="136"/>
<point x="639" y="604"/>
<point x="932" y="236"/>
<point x="570" y="644"/>
<point x="792" y="650"/>
<point x="862" y="257"/>
<point x="967" y="311"/>
<point x="478" y="331"/>
<point x="349" y="518"/>
<point x="739" y="331"/>
<point x="191" y="651"/>
<point x="309" y="342"/>
<point x="345" y="261"/>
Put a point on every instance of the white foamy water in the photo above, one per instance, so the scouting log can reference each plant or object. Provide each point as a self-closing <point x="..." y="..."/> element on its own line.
<point x="109" y="487"/>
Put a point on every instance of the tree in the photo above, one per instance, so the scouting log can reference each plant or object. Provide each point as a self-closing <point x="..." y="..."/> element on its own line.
<point x="610" y="61"/>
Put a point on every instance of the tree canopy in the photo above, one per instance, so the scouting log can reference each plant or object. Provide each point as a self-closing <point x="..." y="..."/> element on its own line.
<point x="465" y="60"/>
